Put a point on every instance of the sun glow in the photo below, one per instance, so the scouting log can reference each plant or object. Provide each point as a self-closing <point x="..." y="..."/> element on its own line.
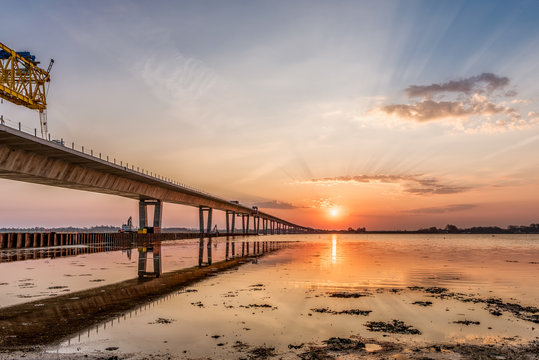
<point x="334" y="211"/>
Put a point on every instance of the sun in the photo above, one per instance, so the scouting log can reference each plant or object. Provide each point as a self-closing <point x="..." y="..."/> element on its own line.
<point x="334" y="211"/>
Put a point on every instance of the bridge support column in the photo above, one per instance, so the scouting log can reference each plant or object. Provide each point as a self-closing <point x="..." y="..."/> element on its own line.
<point x="227" y="214"/>
<point x="256" y="224"/>
<point x="157" y="215"/>
<point x="201" y="210"/>
<point x="230" y="221"/>
<point x="244" y="223"/>
<point x="272" y="227"/>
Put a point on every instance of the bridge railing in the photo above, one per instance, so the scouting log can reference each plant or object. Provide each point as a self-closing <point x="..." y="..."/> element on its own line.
<point x="98" y="155"/>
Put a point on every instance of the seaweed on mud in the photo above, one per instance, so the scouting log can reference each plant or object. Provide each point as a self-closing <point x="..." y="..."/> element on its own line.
<point x="394" y="327"/>
<point x="342" y="312"/>
<point x="268" y="306"/>
<point x="261" y="352"/>
<point x="422" y="303"/>
<point x="466" y="322"/>
<point x="436" y="290"/>
<point x="496" y="307"/>
<point x="240" y="346"/>
<point x="162" y="321"/>
<point x="198" y="303"/>
<point x="341" y="344"/>
<point x="315" y="354"/>
<point x="347" y="295"/>
<point x="292" y="346"/>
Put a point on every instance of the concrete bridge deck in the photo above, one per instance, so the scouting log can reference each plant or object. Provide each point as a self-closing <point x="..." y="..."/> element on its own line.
<point x="26" y="157"/>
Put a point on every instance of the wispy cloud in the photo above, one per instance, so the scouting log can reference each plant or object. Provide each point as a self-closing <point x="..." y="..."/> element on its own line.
<point x="413" y="184"/>
<point x="427" y="110"/>
<point x="442" y="209"/>
<point x="485" y="82"/>
<point x="474" y="102"/>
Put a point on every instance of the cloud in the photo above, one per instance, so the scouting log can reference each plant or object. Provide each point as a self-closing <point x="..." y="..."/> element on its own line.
<point x="485" y="82"/>
<point x="442" y="209"/>
<point x="274" y="204"/>
<point x="473" y="103"/>
<point x="413" y="184"/>
<point x="431" y="110"/>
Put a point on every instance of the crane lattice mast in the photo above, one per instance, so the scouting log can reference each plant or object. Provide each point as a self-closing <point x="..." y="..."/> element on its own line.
<point x="22" y="82"/>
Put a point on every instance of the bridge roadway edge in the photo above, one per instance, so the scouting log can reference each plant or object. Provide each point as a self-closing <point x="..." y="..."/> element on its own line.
<point x="28" y="158"/>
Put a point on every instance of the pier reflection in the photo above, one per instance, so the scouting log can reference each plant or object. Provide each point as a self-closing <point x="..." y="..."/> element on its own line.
<point x="155" y="249"/>
<point x="64" y="251"/>
<point x="62" y="311"/>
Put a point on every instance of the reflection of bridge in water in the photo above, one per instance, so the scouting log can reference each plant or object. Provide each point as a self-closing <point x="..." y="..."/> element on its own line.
<point x="61" y="316"/>
<point x="233" y="249"/>
<point x="248" y="249"/>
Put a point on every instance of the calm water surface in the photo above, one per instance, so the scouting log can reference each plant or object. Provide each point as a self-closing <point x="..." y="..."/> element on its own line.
<point x="293" y="281"/>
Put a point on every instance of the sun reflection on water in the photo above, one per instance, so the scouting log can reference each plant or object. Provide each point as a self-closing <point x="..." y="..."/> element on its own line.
<point x="334" y="249"/>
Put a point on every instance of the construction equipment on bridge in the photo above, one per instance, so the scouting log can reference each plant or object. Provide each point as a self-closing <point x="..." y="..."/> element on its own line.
<point x="22" y="82"/>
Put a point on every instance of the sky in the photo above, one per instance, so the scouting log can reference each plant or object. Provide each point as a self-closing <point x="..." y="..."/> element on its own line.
<point x="330" y="114"/>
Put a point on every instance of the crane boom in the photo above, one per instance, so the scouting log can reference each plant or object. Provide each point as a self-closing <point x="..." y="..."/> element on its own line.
<point x="22" y="82"/>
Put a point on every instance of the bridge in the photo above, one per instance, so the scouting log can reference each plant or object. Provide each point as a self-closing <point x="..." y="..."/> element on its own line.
<point x="29" y="158"/>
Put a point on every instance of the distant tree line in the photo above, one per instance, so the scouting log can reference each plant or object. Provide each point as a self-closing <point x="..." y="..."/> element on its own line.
<point x="448" y="229"/>
<point x="511" y="229"/>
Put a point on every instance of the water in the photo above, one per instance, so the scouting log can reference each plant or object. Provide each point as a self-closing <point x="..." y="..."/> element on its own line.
<point x="271" y="302"/>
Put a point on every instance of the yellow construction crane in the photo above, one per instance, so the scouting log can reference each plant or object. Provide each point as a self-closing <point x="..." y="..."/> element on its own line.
<point x="22" y="82"/>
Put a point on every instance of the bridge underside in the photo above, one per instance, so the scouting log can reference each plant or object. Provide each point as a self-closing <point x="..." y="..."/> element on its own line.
<point x="24" y="157"/>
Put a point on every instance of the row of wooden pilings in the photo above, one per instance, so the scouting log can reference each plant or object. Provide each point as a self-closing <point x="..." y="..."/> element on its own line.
<point x="35" y="240"/>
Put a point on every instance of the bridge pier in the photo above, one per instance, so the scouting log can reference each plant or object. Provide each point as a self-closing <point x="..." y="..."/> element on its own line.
<point x="201" y="210"/>
<point x="264" y="226"/>
<point x="244" y="223"/>
<point x="256" y="224"/>
<point x="157" y="214"/>
<point x="230" y="222"/>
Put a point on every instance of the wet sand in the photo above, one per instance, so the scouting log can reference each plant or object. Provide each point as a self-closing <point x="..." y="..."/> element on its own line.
<point x="310" y="302"/>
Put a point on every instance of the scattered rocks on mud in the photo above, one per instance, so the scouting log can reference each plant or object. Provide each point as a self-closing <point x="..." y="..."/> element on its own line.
<point x="197" y="303"/>
<point x="346" y="312"/>
<point x="394" y="327"/>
